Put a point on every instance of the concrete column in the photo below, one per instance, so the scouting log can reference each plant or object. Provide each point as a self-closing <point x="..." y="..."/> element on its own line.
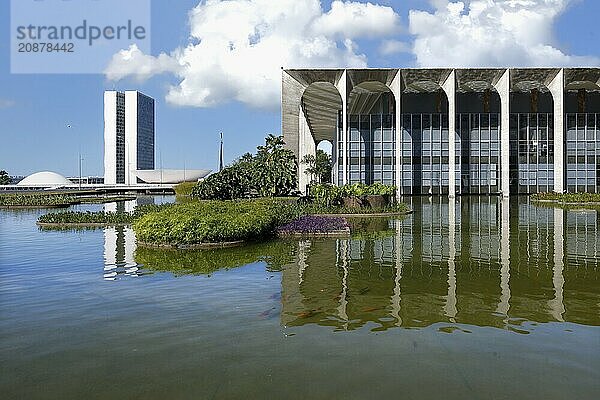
<point x="503" y="89"/>
<point x="449" y="87"/>
<point x="397" y="91"/>
<point x="306" y="146"/>
<point x="343" y="89"/>
<point x="334" y="158"/>
<point x="557" y="88"/>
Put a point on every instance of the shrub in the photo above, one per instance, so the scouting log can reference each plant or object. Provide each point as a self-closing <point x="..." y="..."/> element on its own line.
<point x="270" y="173"/>
<point x="568" y="197"/>
<point x="331" y="195"/>
<point x="35" y="200"/>
<point x="87" y="217"/>
<point x="213" y="221"/>
<point x="99" y="217"/>
<point x="233" y="182"/>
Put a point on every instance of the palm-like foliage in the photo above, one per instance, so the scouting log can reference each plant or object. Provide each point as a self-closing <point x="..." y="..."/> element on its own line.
<point x="270" y="173"/>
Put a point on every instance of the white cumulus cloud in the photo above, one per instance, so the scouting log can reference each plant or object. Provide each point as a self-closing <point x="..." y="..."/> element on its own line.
<point x="237" y="48"/>
<point x="133" y="62"/>
<point x="391" y="46"/>
<point x="490" y="33"/>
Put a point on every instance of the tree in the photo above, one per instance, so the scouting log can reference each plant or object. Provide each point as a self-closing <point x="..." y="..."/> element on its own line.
<point x="276" y="168"/>
<point x="4" y="178"/>
<point x="269" y="173"/>
<point x="319" y="166"/>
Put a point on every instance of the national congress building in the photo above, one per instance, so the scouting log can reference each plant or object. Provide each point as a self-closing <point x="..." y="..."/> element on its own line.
<point x="449" y="131"/>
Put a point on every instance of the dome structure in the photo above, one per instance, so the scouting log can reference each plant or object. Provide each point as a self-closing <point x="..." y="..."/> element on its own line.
<point x="45" y="179"/>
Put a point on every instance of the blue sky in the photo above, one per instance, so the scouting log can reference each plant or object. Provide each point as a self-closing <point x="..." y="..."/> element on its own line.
<point x="35" y="108"/>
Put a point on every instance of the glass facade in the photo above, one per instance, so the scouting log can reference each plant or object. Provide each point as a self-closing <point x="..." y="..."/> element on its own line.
<point x="583" y="152"/>
<point x="531" y="152"/>
<point x="424" y="149"/>
<point x="145" y="132"/>
<point x="120" y="151"/>
<point x="479" y="145"/>
<point x="371" y="149"/>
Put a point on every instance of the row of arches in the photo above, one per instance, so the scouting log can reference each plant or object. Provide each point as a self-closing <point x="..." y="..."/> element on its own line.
<point x="415" y="153"/>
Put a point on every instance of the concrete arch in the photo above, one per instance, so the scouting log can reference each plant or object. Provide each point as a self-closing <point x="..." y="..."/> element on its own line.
<point x="369" y="97"/>
<point x="532" y="90"/>
<point x="582" y="90"/>
<point x="477" y="92"/>
<point x="321" y="103"/>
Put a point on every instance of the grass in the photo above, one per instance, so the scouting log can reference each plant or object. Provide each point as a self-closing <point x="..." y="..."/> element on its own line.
<point x="213" y="221"/>
<point x="54" y="199"/>
<point x="67" y="218"/>
<point x="184" y="188"/>
<point x="581" y="198"/>
<point x="399" y="208"/>
<point x="35" y="200"/>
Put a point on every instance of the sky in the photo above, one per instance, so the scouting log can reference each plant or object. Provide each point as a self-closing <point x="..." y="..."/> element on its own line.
<point x="215" y="66"/>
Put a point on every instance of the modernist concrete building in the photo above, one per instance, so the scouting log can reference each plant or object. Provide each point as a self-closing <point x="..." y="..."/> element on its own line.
<point x="128" y="136"/>
<point x="449" y="131"/>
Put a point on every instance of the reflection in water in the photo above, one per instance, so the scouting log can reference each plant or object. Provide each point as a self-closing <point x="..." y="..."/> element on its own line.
<point x="119" y="250"/>
<point x="120" y="244"/>
<point x="482" y="261"/>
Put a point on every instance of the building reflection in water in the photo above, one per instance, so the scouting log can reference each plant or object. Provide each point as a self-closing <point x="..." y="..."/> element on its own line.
<point x="120" y="245"/>
<point x="481" y="261"/>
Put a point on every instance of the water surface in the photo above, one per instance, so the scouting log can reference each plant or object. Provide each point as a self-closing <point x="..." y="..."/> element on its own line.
<point x="474" y="298"/>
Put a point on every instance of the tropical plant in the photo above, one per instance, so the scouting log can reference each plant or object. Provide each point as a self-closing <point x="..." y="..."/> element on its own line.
<point x="319" y="166"/>
<point x="4" y="178"/>
<point x="275" y="168"/>
<point x="331" y="195"/>
<point x="270" y="173"/>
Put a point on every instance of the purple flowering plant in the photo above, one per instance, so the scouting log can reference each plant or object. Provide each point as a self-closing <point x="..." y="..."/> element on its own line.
<point x="314" y="224"/>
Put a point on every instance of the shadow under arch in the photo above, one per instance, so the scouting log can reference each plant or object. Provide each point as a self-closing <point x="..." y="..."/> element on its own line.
<point x="424" y="138"/>
<point x="582" y="130"/>
<point x="478" y="131"/>
<point x="531" y="139"/>
<point x="321" y="105"/>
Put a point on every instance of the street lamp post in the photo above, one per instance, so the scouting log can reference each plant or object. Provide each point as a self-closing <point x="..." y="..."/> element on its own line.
<point x="221" y="154"/>
<point x="69" y="126"/>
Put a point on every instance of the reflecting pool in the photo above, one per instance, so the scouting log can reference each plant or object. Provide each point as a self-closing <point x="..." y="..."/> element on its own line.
<point x="475" y="297"/>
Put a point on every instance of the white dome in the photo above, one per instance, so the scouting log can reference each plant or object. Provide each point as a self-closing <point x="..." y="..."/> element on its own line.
<point x="45" y="179"/>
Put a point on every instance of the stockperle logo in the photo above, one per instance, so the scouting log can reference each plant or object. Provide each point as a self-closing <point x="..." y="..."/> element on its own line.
<point x="75" y="36"/>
